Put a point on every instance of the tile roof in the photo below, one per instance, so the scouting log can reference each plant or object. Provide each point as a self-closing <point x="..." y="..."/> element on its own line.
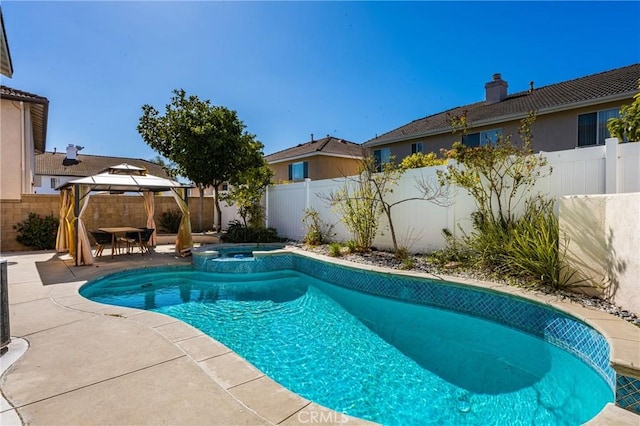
<point x="596" y="88"/>
<point x="39" y="113"/>
<point x="326" y="146"/>
<point x="54" y="164"/>
<point x="21" y="95"/>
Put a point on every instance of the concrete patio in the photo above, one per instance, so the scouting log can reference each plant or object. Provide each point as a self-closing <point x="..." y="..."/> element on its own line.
<point x="76" y="362"/>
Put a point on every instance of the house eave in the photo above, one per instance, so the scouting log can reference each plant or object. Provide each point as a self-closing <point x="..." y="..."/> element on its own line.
<point x="510" y="117"/>
<point x="6" y="67"/>
<point x="314" y="154"/>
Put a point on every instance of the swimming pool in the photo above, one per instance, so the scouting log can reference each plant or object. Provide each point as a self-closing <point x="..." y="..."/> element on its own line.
<point x="408" y="363"/>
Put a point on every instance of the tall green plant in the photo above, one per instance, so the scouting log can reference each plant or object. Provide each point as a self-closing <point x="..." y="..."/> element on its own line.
<point x="358" y="207"/>
<point x="533" y="247"/>
<point x="247" y="188"/>
<point x="498" y="177"/>
<point x="318" y="231"/>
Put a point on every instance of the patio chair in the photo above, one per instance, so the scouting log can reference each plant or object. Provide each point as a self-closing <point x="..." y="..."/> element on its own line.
<point x="102" y="239"/>
<point x="143" y="242"/>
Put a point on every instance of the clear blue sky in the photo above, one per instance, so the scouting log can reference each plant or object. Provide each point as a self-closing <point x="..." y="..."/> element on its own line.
<point x="352" y="70"/>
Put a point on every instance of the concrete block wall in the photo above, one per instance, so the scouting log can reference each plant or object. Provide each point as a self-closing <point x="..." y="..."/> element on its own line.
<point x="14" y="211"/>
<point x="102" y="211"/>
<point x="602" y="237"/>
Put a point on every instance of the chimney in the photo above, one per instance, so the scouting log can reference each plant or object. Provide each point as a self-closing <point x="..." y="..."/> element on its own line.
<point x="312" y="138"/>
<point x="71" y="152"/>
<point x="496" y="90"/>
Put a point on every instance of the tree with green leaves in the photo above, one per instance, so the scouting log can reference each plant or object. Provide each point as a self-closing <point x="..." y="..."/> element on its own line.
<point x="627" y="126"/>
<point x="208" y="143"/>
<point x="169" y="167"/>
<point x="246" y="191"/>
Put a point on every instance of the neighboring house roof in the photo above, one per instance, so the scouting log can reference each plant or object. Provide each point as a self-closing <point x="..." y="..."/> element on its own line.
<point x="329" y="146"/>
<point x="54" y="164"/>
<point x="613" y="85"/>
<point x="39" y="113"/>
<point x="6" y="66"/>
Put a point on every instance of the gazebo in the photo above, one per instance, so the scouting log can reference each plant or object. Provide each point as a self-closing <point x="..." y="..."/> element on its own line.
<point x="74" y="198"/>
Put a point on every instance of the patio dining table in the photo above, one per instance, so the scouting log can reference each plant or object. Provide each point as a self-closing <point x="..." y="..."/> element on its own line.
<point x="121" y="230"/>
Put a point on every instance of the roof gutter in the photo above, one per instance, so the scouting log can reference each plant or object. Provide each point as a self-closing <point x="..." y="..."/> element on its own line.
<point x="511" y="117"/>
<point x="313" y="154"/>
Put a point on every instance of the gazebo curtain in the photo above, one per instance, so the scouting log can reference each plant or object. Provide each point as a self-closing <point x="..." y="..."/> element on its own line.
<point x="66" y="203"/>
<point x="149" y="207"/>
<point x="80" y="249"/>
<point x="184" y="242"/>
<point x="70" y="219"/>
<point x="85" y="257"/>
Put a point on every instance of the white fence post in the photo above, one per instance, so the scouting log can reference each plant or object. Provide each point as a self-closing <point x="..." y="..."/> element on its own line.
<point x="266" y="207"/>
<point x="611" y="166"/>
<point x="307" y="194"/>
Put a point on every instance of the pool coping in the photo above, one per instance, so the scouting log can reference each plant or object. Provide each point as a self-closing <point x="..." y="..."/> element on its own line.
<point x="219" y="363"/>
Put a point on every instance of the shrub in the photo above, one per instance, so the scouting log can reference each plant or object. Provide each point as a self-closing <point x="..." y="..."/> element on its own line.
<point x="38" y="231"/>
<point x="239" y="233"/>
<point x="454" y="250"/>
<point x="170" y="221"/>
<point x="335" y="249"/>
<point x="318" y="232"/>
<point x="402" y="253"/>
<point x="351" y="246"/>
<point x="408" y="263"/>
<point x="533" y="249"/>
<point x="419" y="159"/>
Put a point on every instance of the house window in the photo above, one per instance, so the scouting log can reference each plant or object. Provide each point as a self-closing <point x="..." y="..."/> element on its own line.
<point x="299" y="171"/>
<point x="592" y="127"/>
<point x="381" y="156"/>
<point x="487" y="137"/>
<point x="490" y="137"/>
<point x="416" y="147"/>
<point x="54" y="183"/>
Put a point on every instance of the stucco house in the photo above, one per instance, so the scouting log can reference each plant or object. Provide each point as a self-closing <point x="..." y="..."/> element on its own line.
<point x="324" y="158"/>
<point x="23" y="132"/>
<point x="53" y="169"/>
<point x="570" y="114"/>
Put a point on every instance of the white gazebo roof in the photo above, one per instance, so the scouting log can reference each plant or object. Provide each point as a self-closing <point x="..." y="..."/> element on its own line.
<point x="126" y="178"/>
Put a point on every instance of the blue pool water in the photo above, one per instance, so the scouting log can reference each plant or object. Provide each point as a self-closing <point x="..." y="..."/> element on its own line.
<point x="384" y="360"/>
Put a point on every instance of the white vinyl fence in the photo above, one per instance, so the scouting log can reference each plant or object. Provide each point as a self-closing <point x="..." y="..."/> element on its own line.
<point x="606" y="169"/>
